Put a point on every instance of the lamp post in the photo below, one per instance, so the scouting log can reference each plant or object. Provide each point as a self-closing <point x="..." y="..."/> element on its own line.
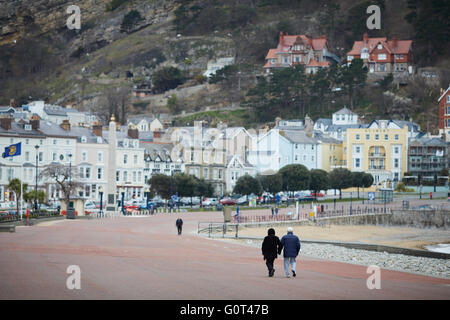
<point x="351" y="198"/>
<point x="100" y="191"/>
<point x="36" y="186"/>
<point x="70" y="179"/>
<point x="147" y="195"/>
<point x="122" y="190"/>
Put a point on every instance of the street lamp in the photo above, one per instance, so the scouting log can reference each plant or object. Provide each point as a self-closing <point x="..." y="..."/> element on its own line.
<point x="35" y="189"/>
<point x="122" y="190"/>
<point x="100" y="191"/>
<point x="147" y="195"/>
<point x="70" y="179"/>
<point x="351" y="198"/>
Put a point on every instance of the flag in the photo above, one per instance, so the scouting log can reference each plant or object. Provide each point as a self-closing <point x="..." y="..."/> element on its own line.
<point x="13" y="150"/>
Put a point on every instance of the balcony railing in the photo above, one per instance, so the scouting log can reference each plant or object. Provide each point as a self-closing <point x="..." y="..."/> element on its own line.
<point x="377" y="168"/>
<point x="377" y="154"/>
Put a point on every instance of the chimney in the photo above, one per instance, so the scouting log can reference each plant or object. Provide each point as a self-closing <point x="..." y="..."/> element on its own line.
<point x="133" y="132"/>
<point x="281" y="37"/>
<point x="65" y="125"/>
<point x="34" y="121"/>
<point x="156" y="134"/>
<point x="365" y="37"/>
<point x="277" y="121"/>
<point x="5" y="123"/>
<point x="97" y="129"/>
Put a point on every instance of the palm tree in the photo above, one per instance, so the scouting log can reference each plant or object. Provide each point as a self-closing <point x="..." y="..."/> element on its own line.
<point x="15" y="185"/>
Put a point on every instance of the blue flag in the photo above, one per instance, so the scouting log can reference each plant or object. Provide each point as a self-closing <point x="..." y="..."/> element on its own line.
<point x="13" y="150"/>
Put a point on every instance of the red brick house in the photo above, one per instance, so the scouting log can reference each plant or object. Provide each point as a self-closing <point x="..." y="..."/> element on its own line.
<point x="444" y="113"/>
<point x="298" y="49"/>
<point x="383" y="56"/>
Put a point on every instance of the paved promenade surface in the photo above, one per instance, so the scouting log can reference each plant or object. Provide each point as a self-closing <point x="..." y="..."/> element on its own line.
<point x="144" y="258"/>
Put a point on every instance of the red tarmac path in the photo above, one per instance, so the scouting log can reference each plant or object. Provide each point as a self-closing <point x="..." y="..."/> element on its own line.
<point x="144" y="258"/>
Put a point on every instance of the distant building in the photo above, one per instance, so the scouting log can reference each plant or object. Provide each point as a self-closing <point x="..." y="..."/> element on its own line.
<point x="214" y="66"/>
<point x="337" y="126"/>
<point x="444" y="113"/>
<point x="383" y="56"/>
<point x="427" y="157"/>
<point x="299" y="49"/>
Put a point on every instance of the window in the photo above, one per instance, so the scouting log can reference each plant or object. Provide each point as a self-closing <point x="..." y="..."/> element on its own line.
<point x="396" y="137"/>
<point x="357" y="137"/>
<point x="134" y="176"/>
<point x="88" y="173"/>
<point x="205" y="173"/>
<point x="99" y="173"/>
<point x="448" y="108"/>
<point x="27" y="141"/>
<point x="395" y="163"/>
<point x="357" y="162"/>
<point x="220" y="173"/>
<point x="54" y="141"/>
<point x="367" y="136"/>
<point x="125" y="176"/>
<point x="125" y="159"/>
<point x="357" y="149"/>
<point x="386" y="137"/>
<point x="100" y="157"/>
<point x="27" y="155"/>
<point x="396" y="150"/>
<point x="377" y="137"/>
<point x="379" y="46"/>
<point x="139" y="176"/>
<point x="135" y="159"/>
<point x="54" y="156"/>
<point x="84" y="156"/>
<point x="117" y="175"/>
<point x="41" y="156"/>
<point x="448" y="99"/>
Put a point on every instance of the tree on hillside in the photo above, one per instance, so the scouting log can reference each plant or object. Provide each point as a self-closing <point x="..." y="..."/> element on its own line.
<point x="353" y="77"/>
<point x="319" y="181"/>
<point x="167" y="78"/>
<point x="431" y="24"/>
<point x="340" y="178"/>
<point x="295" y="177"/>
<point x="130" y="20"/>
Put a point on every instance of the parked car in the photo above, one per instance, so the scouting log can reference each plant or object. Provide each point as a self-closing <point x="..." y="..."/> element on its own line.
<point x="318" y="194"/>
<point x="210" y="202"/>
<point x="425" y="207"/>
<point x="89" y="205"/>
<point x="228" y="201"/>
<point x="133" y="204"/>
<point x="303" y="196"/>
<point x="242" y="200"/>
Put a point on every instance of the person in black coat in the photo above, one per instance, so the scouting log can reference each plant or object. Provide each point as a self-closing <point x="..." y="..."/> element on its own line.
<point x="271" y="248"/>
<point x="179" y="224"/>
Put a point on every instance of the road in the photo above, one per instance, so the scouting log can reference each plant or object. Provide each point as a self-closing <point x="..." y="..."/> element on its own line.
<point x="144" y="258"/>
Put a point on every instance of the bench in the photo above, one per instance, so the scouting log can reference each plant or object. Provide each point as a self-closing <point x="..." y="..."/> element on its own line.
<point x="7" y="228"/>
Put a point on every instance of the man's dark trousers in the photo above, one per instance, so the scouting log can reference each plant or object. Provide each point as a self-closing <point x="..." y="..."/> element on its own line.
<point x="269" y="264"/>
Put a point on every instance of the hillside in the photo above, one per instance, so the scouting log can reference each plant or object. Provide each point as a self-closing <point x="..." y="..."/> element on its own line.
<point x="124" y="43"/>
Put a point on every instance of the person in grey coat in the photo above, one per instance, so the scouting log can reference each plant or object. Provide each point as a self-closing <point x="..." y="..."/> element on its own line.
<point x="291" y="248"/>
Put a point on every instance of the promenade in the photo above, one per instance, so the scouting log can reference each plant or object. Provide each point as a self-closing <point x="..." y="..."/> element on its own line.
<point x="142" y="257"/>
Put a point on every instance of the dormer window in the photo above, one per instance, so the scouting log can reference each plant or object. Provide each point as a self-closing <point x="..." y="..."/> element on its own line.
<point x="125" y="143"/>
<point x="28" y="127"/>
<point x="136" y="143"/>
<point x="379" y="46"/>
<point x="99" y="139"/>
<point x="83" y="139"/>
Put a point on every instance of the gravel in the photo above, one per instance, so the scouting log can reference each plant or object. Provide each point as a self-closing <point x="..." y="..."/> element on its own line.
<point x="420" y="265"/>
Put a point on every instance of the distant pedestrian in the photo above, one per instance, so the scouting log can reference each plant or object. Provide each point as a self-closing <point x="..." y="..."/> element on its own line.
<point x="273" y="210"/>
<point x="291" y="248"/>
<point x="276" y="210"/>
<point x="179" y="224"/>
<point x="271" y="248"/>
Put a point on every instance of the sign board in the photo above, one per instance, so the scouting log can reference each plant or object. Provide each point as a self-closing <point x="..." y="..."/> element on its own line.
<point x="371" y="196"/>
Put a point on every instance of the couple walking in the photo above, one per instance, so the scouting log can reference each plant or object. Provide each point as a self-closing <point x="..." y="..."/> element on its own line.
<point x="272" y="246"/>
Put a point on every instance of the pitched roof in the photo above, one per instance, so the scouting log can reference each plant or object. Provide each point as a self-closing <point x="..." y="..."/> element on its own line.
<point x="344" y="110"/>
<point x="298" y="136"/>
<point x="443" y="95"/>
<point x="393" y="46"/>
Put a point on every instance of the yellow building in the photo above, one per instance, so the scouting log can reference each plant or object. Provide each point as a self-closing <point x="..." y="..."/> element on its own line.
<point x="331" y="153"/>
<point x="379" y="149"/>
